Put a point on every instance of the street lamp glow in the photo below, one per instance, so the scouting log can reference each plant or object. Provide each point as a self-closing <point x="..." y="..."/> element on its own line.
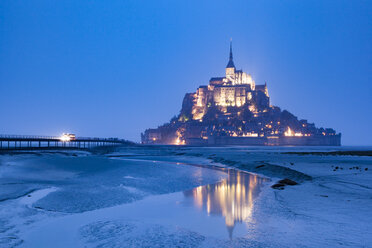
<point x="66" y="137"/>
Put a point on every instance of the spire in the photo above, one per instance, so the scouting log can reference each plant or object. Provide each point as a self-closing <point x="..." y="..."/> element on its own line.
<point x="231" y="62"/>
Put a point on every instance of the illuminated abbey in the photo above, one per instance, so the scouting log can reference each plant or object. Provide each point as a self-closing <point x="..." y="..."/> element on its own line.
<point x="233" y="110"/>
<point x="236" y="89"/>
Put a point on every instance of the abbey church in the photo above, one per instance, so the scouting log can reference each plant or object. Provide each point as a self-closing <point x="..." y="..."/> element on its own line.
<point x="237" y="88"/>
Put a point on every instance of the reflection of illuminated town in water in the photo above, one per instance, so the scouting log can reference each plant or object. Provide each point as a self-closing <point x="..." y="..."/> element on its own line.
<point x="232" y="198"/>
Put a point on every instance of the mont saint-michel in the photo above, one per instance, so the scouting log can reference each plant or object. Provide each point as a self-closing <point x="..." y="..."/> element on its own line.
<point x="234" y="110"/>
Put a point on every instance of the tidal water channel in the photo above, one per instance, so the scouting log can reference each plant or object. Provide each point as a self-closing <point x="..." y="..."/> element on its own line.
<point x="219" y="210"/>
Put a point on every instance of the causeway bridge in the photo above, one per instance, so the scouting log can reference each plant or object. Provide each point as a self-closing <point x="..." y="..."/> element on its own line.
<point x="24" y="142"/>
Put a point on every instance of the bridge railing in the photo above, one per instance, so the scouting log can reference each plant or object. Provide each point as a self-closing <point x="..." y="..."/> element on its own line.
<point x="57" y="138"/>
<point x="8" y="136"/>
<point x="100" y="139"/>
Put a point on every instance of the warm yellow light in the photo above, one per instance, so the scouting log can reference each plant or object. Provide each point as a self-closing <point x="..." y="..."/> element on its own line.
<point x="65" y="137"/>
<point x="178" y="141"/>
<point x="252" y="108"/>
<point x="289" y="132"/>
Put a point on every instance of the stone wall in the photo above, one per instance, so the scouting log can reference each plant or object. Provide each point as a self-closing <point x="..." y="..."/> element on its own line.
<point x="332" y="140"/>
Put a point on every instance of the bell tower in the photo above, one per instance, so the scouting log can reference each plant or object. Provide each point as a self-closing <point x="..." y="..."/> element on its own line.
<point x="230" y="68"/>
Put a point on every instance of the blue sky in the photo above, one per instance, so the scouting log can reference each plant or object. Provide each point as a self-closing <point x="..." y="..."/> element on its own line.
<point x="115" y="68"/>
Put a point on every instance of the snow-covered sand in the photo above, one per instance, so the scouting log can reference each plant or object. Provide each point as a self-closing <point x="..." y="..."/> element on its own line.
<point x="185" y="197"/>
